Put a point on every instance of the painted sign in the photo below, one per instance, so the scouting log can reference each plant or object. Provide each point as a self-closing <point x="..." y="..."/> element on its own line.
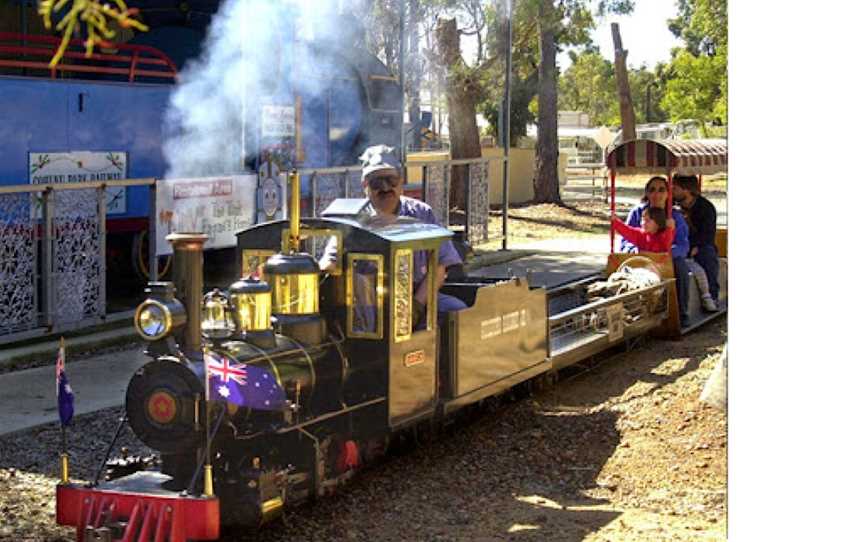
<point x="82" y="166"/>
<point x="269" y="190"/>
<point x="216" y="206"/>
<point x="270" y="197"/>
<point x="277" y="121"/>
<point x="414" y="358"/>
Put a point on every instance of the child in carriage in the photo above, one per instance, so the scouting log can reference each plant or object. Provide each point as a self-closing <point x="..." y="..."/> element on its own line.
<point x="655" y="235"/>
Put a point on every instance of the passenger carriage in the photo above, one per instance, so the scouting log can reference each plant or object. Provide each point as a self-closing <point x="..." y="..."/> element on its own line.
<point x="647" y="158"/>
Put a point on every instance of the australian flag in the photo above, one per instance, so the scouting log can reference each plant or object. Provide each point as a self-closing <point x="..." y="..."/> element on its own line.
<point x="65" y="397"/>
<point x="241" y="384"/>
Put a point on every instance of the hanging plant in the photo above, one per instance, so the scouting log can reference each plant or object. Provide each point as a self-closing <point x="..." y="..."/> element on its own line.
<point x="94" y="14"/>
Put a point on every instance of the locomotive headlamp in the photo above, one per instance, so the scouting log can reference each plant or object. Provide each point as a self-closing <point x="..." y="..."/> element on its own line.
<point x="217" y="321"/>
<point x="154" y="320"/>
<point x="160" y="314"/>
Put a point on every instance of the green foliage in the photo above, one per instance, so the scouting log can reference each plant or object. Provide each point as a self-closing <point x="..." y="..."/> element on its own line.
<point x="697" y="87"/>
<point x="702" y="24"/>
<point x="522" y="95"/>
<point x="646" y="90"/>
<point x="588" y="85"/>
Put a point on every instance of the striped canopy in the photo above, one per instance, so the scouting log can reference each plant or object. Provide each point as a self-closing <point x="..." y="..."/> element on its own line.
<point x="655" y="157"/>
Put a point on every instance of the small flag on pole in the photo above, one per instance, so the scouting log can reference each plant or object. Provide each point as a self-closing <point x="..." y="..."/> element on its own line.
<point x="65" y="397"/>
<point x="242" y="385"/>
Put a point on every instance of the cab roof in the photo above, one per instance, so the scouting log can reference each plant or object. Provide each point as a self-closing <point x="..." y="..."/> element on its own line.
<point x="657" y="156"/>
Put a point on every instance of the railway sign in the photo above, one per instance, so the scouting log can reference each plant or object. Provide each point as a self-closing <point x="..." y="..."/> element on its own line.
<point x="277" y="121"/>
<point x="217" y="206"/>
<point x="82" y="166"/>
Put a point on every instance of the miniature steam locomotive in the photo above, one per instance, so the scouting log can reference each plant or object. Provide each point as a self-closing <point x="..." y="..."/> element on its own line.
<point x="351" y="366"/>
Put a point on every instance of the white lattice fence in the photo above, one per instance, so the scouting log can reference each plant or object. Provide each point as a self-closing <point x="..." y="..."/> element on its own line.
<point x="18" y="264"/>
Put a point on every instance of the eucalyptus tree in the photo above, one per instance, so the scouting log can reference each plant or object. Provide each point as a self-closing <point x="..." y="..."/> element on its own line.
<point x="698" y="86"/>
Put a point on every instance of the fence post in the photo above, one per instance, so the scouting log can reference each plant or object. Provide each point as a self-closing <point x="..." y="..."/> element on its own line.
<point x="505" y="195"/>
<point x="283" y="179"/>
<point x="446" y="171"/>
<point x="468" y="194"/>
<point x="425" y="190"/>
<point x="313" y="186"/>
<point x="151" y="236"/>
<point x="47" y="256"/>
<point x="346" y="183"/>
<point x="101" y="212"/>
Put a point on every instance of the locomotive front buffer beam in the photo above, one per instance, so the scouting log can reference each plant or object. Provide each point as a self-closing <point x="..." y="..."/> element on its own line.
<point x="136" y="509"/>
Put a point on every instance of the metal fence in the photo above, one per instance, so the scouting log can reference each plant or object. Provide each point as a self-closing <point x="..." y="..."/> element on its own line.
<point x="585" y="180"/>
<point x="436" y="180"/>
<point x="328" y="184"/>
<point x="52" y="256"/>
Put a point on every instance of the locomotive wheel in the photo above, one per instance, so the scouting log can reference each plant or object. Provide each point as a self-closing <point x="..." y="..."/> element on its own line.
<point x="141" y="258"/>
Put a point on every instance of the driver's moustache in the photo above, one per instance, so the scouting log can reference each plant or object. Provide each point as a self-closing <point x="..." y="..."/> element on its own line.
<point x="383" y="182"/>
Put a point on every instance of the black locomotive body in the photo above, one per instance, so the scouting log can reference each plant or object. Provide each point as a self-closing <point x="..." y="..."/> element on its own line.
<point x="356" y="360"/>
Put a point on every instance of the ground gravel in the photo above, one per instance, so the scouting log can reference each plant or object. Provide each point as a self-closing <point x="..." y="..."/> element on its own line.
<point x="623" y="451"/>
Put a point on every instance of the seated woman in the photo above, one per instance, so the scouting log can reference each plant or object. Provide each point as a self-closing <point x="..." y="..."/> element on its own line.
<point x="657" y="195"/>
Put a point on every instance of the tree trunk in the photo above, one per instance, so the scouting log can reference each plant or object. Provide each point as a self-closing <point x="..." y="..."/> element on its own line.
<point x="462" y="91"/>
<point x="546" y="163"/>
<point x="625" y="102"/>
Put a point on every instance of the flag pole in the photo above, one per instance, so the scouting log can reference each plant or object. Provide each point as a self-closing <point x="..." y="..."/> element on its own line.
<point x="64" y="454"/>
<point x="64" y="458"/>
<point x="208" y="468"/>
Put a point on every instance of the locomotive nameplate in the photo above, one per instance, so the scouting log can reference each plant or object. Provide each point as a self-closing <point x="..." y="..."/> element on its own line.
<point x="510" y="321"/>
<point x="615" y="319"/>
<point x="490" y="328"/>
<point x="416" y="357"/>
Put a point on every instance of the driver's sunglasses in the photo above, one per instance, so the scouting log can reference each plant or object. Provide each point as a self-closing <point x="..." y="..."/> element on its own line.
<point x="384" y="182"/>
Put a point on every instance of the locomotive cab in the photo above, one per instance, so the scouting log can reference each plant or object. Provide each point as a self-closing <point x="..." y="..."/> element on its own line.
<point x="367" y="297"/>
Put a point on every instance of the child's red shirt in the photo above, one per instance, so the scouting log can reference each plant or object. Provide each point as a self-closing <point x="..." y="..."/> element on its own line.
<point x="646" y="242"/>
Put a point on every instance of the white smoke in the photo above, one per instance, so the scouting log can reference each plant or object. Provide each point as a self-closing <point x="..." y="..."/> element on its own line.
<point x="241" y="66"/>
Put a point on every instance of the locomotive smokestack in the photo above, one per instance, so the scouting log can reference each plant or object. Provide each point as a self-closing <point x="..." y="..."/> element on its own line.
<point x="189" y="280"/>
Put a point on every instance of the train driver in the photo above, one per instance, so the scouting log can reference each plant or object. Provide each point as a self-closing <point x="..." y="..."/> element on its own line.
<point x="383" y="184"/>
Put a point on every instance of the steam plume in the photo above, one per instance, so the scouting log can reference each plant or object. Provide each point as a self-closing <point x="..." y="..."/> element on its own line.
<point x="246" y="60"/>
